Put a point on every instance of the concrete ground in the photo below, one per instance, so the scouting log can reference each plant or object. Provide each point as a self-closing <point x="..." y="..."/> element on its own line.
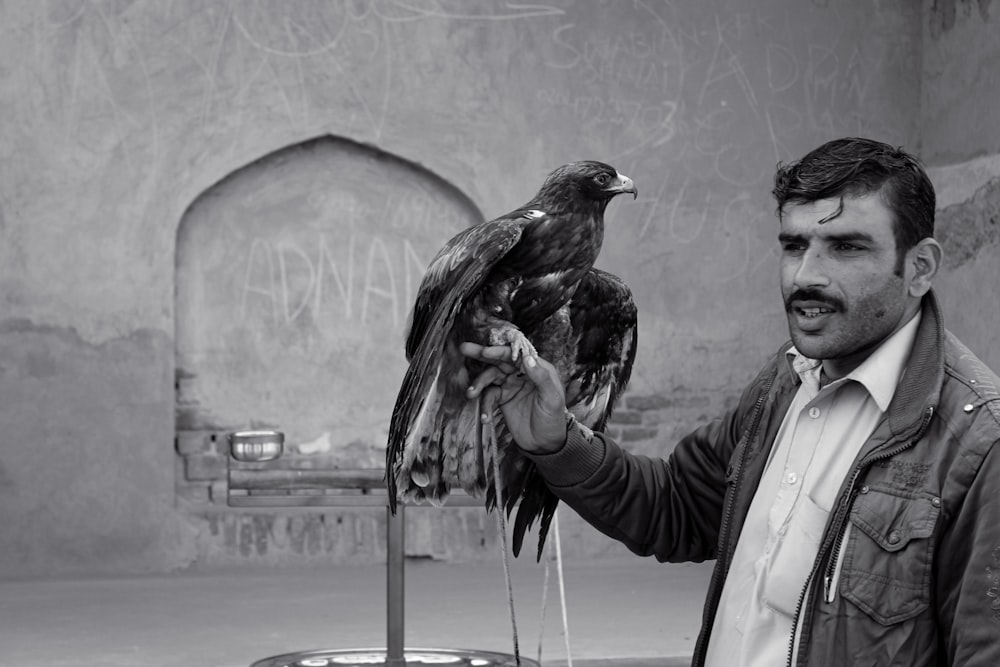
<point x="621" y="611"/>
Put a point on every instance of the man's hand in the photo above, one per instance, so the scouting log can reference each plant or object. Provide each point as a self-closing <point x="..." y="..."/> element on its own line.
<point x="531" y="396"/>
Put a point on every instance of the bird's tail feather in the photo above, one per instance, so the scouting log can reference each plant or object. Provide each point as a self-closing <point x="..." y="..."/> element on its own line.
<point x="490" y="414"/>
<point x="549" y="507"/>
<point x="410" y="430"/>
<point x="463" y="453"/>
<point x="536" y="502"/>
<point x="417" y="467"/>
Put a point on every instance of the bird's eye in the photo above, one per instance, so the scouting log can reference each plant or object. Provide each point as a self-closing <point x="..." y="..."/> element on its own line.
<point x="602" y="179"/>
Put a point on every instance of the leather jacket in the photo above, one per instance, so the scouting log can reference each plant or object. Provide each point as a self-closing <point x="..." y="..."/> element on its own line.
<point x="920" y="578"/>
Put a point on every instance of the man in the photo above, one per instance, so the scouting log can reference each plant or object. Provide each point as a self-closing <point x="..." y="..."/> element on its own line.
<point x="852" y="498"/>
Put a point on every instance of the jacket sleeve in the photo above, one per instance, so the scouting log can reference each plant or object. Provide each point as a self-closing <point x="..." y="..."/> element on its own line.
<point x="668" y="508"/>
<point x="968" y="570"/>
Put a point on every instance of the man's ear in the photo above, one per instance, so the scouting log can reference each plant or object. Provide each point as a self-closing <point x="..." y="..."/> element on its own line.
<point x="922" y="263"/>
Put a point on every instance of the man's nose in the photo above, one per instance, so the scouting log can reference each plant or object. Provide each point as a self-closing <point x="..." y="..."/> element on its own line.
<point x="812" y="269"/>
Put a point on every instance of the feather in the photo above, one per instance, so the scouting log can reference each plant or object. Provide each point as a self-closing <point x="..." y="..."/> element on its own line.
<point x="598" y="333"/>
<point x="525" y="279"/>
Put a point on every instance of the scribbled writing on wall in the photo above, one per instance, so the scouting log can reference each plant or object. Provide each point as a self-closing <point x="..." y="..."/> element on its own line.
<point x="343" y="277"/>
<point x="345" y="265"/>
<point x="648" y="61"/>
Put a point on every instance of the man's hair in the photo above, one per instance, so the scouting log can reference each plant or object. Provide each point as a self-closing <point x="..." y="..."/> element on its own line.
<point x="854" y="167"/>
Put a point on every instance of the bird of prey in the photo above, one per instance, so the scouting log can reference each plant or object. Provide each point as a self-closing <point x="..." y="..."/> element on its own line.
<point x="527" y="280"/>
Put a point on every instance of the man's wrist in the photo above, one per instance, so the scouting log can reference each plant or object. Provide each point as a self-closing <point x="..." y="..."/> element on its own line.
<point x="555" y="441"/>
<point x="572" y="423"/>
<point x="578" y="457"/>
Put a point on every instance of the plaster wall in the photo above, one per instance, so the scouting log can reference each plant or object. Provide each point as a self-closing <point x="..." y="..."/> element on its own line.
<point x="960" y="141"/>
<point x="119" y="116"/>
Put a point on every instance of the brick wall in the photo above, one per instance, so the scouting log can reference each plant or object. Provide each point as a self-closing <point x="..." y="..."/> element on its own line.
<point x="647" y="424"/>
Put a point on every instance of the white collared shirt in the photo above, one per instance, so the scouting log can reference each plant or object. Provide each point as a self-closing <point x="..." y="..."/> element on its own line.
<point x="819" y="438"/>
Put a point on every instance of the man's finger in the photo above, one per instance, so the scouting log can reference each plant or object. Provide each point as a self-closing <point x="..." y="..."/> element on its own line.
<point x="492" y="375"/>
<point x="498" y="355"/>
<point x="544" y="376"/>
<point x="471" y="350"/>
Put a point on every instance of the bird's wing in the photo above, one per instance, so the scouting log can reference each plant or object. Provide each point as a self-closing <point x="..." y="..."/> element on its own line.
<point x="605" y="320"/>
<point x="601" y="338"/>
<point x="457" y="271"/>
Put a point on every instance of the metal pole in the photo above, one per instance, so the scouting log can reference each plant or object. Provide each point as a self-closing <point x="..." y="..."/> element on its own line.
<point x="395" y="587"/>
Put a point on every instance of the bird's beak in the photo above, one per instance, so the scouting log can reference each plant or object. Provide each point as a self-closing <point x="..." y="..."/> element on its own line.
<point x="625" y="184"/>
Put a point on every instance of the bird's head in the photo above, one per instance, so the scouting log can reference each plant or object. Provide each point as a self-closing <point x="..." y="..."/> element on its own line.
<point x="592" y="180"/>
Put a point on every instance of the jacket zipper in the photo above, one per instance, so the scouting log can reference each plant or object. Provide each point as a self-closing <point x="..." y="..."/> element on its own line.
<point x="751" y="433"/>
<point x="841" y="514"/>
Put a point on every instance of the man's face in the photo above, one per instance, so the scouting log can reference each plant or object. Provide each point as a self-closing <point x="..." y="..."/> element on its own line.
<point x="842" y="297"/>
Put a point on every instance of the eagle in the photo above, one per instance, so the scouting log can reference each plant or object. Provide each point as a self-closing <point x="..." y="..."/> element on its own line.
<point x="525" y="279"/>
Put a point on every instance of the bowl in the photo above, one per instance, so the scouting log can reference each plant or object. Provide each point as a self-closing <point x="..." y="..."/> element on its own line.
<point x="256" y="446"/>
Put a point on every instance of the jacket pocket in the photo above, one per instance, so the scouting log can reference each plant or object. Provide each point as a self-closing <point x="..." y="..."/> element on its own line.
<point x="888" y="558"/>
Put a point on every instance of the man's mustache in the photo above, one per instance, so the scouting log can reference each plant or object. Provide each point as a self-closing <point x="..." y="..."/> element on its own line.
<point x="812" y="294"/>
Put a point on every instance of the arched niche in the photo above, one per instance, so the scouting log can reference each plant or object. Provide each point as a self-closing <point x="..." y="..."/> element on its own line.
<point x="295" y="277"/>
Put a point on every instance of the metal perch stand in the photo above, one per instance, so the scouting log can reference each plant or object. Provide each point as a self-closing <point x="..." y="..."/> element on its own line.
<point x="258" y="479"/>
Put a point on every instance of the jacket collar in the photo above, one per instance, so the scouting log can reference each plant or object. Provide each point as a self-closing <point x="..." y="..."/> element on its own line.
<point x="920" y="388"/>
<point x="879" y="374"/>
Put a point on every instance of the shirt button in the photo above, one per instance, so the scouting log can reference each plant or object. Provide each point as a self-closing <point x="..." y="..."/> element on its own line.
<point x="936" y="502"/>
<point x="864" y="489"/>
<point x="792" y="478"/>
<point x="814" y="412"/>
<point x="894" y="537"/>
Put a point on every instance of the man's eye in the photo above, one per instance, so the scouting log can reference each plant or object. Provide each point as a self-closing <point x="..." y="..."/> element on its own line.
<point x="792" y="248"/>
<point x="848" y="247"/>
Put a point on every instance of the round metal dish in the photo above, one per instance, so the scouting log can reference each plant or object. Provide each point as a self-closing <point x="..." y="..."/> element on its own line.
<point x="256" y="446"/>
<point x="414" y="657"/>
